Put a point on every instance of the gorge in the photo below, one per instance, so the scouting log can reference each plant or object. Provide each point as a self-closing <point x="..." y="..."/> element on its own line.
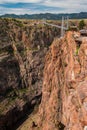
<point x="38" y="69"/>
<point x="23" y="46"/>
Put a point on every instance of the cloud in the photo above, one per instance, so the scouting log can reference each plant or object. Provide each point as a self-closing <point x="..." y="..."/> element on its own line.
<point x="74" y="5"/>
<point x="21" y="1"/>
<point x="42" y="6"/>
<point x="28" y="10"/>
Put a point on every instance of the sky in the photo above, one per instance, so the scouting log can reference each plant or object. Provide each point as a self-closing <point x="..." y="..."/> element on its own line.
<point x="42" y="6"/>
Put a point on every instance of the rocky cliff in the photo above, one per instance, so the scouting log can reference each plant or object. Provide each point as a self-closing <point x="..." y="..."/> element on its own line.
<point x="23" y="45"/>
<point x="64" y="93"/>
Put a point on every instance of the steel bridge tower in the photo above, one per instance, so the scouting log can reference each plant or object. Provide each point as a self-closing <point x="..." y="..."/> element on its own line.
<point x="64" y="25"/>
<point x="65" y="20"/>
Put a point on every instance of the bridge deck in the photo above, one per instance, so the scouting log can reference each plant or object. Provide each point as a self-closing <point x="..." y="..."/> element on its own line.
<point x="55" y="25"/>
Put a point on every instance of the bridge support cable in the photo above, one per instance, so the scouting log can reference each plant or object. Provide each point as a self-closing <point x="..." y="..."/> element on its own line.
<point x="65" y="21"/>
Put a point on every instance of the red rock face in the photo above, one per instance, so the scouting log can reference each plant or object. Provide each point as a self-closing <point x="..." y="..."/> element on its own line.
<point x="64" y="100"/>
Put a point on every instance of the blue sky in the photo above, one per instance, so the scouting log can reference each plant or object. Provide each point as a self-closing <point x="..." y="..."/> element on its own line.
<point x="42" y="6"/>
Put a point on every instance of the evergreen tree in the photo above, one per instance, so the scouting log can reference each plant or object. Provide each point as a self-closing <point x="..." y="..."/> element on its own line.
<point x="81" y="24"/>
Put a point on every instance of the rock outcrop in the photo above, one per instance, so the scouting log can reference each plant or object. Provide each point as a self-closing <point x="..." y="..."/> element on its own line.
<point x="22" y="51"/>
<point x="26" y="45"/>
<point x="64" y="93"/>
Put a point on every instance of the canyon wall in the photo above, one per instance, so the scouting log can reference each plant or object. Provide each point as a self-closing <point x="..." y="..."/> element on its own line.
<point x="23" y="46"/>
<point x="64" y="93"/>
<point x="22" y="58"/>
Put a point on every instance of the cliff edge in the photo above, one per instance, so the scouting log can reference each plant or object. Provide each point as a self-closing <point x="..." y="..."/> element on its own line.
<point x="64" y="93"/>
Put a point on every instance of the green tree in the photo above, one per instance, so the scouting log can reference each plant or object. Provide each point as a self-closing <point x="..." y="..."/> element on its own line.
<point x="81" y="24"/>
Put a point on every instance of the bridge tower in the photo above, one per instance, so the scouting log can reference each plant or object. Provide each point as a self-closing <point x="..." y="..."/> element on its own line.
<point x="62" y="30"/>
<point x="65" y="20"/>
<point x="64" y="25"/>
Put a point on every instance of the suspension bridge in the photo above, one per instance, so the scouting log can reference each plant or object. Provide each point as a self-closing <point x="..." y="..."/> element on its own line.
<point x="64" y="25"/>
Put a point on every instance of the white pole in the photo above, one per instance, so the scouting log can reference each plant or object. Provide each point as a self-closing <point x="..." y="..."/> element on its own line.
<point x="67" y="22"/>
<point x="62" y="31"/>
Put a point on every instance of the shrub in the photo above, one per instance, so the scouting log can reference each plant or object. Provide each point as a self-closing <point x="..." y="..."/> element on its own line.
<point x="81" y="24"/>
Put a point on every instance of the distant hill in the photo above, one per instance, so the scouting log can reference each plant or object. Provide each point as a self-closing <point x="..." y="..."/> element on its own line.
<point x="48" y="16"/>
